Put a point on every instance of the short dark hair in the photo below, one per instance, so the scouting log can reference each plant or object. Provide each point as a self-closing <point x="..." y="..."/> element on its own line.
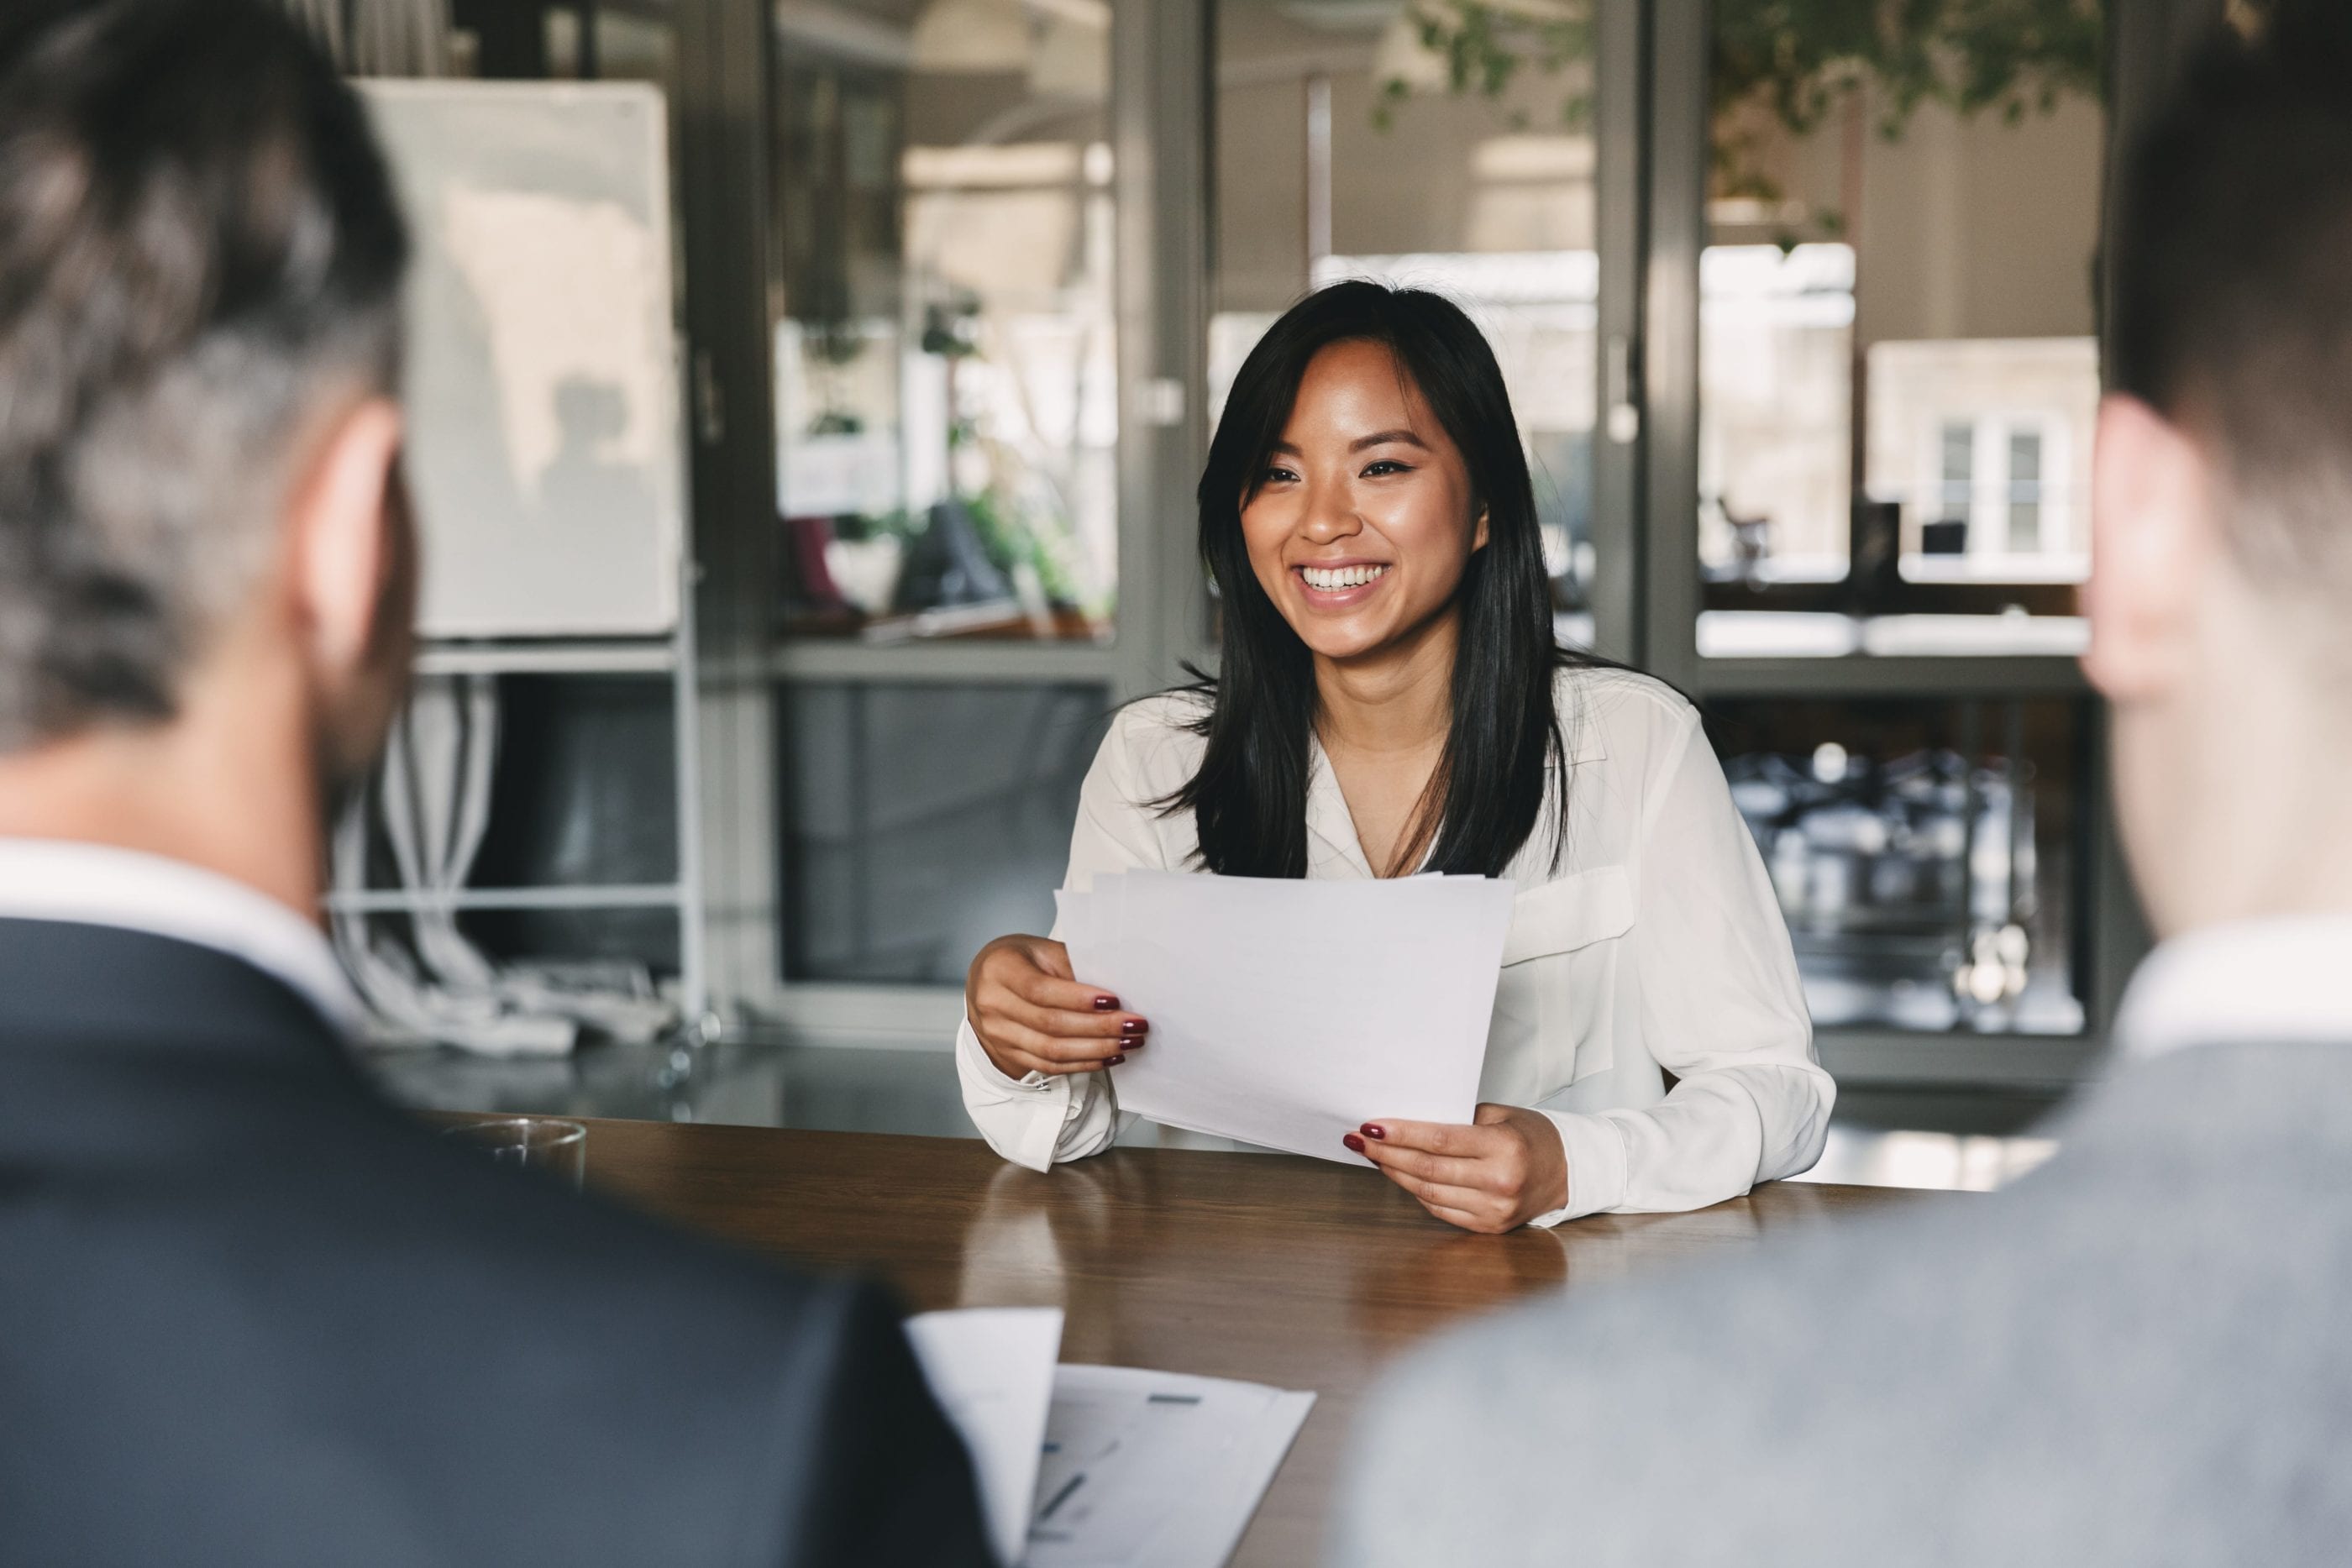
<point x="2234" y="283"/>
<point x="198" y="240"/>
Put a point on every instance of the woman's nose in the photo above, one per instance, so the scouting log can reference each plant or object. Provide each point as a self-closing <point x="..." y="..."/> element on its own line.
<point x="1330" y="514"/>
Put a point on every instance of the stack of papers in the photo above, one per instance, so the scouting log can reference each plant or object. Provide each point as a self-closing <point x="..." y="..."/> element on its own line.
<point x="1101" y="1467"/>
<point x="1288" y="1013"/>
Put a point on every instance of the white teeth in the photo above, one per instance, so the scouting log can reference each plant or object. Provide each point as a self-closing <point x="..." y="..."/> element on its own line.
<point x="1329" y="577"/>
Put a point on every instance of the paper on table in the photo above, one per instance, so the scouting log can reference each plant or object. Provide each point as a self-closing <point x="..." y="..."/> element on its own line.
<point x="1101" y="1467"/>
<point x="992" y="1370"/>
<point x="1288" y="1012"/>
<point x="1155" y="1470"/>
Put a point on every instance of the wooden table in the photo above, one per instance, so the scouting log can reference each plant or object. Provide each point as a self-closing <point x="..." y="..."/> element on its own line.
<point x="1277" y="1269"/>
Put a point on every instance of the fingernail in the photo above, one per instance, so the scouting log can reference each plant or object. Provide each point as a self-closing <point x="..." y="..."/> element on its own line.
<point x="1114" y="1062"/>
<point x="1354" y="1143"/>
<point x="1106" y="1003"/>
<point x="1133" y="1026"/>
<point x="1374" y="1130"/>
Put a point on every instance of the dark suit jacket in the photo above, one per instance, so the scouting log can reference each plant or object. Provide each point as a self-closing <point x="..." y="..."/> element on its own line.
<point x="250" y="1314"/>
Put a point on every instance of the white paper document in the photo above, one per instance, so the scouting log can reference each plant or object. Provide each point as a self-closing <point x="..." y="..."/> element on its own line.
<point x="1152" y="1470"/>
<point x="1101" y="1467"/>
<point x="1287" y="1013"/>
<point x="992" y="1370"/>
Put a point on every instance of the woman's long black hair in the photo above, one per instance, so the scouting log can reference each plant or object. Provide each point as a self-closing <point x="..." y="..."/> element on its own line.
<point x="1249" y="799"/>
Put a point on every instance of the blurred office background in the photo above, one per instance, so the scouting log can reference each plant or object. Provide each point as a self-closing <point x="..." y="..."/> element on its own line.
<point x="1800" y="301"/>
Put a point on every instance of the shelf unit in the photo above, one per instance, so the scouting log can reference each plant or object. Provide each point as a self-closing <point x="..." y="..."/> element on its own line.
<point x="673" y="658"/>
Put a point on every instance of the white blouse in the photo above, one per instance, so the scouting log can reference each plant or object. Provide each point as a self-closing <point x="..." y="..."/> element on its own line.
<point x="1655" y="943"/>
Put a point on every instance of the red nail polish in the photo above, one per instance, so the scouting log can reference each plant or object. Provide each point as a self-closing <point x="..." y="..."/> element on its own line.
<point x="1106" y="1003"/>
<point x="1354" y="1143"/>
<point x="1114" y="1062"/>
<point x="1374" y="1130"/>
<point x="1133" y="1026"/>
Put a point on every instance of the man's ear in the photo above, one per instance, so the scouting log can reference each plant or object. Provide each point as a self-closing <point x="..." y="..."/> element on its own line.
<point x="340" y="527"/>
<point x="2153" y="542"/>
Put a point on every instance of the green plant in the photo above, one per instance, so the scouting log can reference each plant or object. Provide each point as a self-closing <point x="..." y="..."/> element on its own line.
<point x="1485" y="47"/>
<point x="1012" y="535"/>
<point x="1798" y="61"/>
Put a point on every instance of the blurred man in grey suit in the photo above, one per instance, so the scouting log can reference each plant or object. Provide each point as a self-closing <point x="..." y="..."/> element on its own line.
<point x="251" y="1314"/>
<point x="2140" y="1354"/>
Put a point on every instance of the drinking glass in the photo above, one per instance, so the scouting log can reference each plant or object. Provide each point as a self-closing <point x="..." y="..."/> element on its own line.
<point x="544" y="1144"/>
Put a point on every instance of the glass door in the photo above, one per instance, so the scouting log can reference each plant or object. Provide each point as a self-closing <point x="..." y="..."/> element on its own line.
<point x="1898" y="359"/>
<point x="945" y="357"/>
<point x="1449" y="147"/>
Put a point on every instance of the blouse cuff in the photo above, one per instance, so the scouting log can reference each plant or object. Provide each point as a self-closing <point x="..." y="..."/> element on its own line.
<point x="1596" y="1167"/>
<point x="1019" y="1122"/>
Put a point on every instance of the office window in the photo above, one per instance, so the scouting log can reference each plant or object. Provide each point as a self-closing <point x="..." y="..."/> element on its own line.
<point x="944" y="352"/>
<point x="1345" y="148"/>
<point x="1896" y="321"/>
<point x="2024" y="492"/>
<point x="1958" y="486"/>
<point x="1984" y="511"/>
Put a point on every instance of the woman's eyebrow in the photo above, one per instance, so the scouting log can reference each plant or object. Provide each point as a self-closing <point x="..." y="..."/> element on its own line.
<point x="1384" y="437"/>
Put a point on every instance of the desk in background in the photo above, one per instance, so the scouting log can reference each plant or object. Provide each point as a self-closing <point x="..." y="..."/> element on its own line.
<point x="1271" y="1268"/>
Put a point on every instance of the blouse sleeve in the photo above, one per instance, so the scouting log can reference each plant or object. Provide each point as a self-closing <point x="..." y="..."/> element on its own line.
<point x="1720" y="1008"/>
<point x="1068" y="1116"/>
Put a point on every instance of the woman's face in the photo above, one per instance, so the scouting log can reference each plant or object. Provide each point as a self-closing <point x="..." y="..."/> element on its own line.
<point x="1364" y="517"/>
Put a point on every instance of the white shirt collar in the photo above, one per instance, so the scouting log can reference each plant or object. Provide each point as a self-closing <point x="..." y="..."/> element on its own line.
<point x="97" y="885"/>
<point x="1328" y="819"/>
<point x="2275" y="981"/>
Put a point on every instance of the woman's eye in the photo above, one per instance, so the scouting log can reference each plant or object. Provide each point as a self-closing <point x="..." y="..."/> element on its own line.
<point x="1275" y="476"/>
<point x="1385" y="465"/>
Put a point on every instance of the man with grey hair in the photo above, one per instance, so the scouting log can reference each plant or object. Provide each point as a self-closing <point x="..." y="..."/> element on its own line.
<point x="2136" y="1355"/>
<point x="249" y="1313"/>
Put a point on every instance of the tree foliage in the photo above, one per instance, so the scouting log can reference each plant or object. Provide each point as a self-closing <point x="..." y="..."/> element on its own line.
<point x="1798" y="61"/>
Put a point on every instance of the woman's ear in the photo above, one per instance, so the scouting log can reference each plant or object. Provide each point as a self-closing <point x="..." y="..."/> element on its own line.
<point x="1478" y="538"/>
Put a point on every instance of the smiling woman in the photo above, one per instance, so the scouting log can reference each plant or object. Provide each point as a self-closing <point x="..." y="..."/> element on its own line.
<point x="1369" y="428"/>
<point x="1390" y="700"/>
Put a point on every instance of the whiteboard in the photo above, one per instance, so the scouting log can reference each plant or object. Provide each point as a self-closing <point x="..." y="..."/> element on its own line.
<point x="542" y="382"/>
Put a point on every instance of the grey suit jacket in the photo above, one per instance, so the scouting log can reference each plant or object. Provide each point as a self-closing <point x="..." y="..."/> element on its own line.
<point x="2141" y="1353"/>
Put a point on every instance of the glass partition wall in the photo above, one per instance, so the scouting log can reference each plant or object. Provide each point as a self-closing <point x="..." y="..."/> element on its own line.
<point x="1898" y="364"/>
<point x="944" y="352"/>
<point x="951" y="376"/>
<point x="1345" y="148"/>
<point x="1803" y="349"/>
<point x="1872" y="376"/>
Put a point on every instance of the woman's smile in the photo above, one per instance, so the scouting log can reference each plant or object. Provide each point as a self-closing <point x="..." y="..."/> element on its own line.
<point x="1340" y="585"/>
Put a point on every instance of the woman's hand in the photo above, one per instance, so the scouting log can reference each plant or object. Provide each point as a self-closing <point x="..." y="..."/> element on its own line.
<point x="1032" y="1016"/>
<point x="1493" y="1176"/>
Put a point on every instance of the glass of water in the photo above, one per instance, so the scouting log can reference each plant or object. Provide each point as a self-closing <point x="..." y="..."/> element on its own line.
<point x="544" y="1144"/>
